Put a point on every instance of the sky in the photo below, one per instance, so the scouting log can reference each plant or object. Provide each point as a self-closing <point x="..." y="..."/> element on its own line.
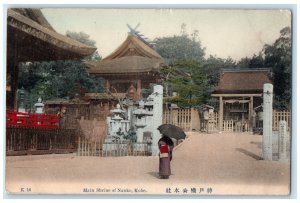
<point x="223" y="33"/>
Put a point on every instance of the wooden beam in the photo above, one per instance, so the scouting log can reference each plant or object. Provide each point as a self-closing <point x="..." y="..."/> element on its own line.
<point x="107" y="85"/>
<point x="221" y="113"/>
<point x="14" y="75"/>
<point x="251" y="120"/>
<point x="139" y="89"/>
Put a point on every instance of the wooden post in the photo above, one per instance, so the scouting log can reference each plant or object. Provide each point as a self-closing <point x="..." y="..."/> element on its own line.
<point x="107" y="85"/>
<point x="13" y="66"/>
<point x="139" y="89"/>
<point x="221" y="113"/>
<point x="250" y="115"/>
<point x="78" y="147"/>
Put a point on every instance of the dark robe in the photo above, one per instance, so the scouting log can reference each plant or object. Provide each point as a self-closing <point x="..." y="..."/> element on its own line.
<point x="165" y="162"/>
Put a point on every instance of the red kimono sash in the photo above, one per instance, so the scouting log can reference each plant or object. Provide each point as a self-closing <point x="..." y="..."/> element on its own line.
<point x="164" y="151"/>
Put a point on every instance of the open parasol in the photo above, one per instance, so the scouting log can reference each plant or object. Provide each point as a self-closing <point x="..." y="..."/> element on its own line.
<point x="172" y="131"/>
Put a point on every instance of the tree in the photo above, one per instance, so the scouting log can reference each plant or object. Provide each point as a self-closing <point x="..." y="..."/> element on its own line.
<point x="81" y="37"/>
<point x="180" y="47"/>
<point x="60" y="79"/>
<point x="278" y="57"/>
<point x="184" y="75"/>
<point x="189" y="74"/>
<point x="192" y="89"/>
<point x="257" y="61"/>
<point x="213" y="67"/>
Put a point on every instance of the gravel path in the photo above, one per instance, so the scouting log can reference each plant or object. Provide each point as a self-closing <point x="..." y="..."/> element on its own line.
<point x="204" y="164"/>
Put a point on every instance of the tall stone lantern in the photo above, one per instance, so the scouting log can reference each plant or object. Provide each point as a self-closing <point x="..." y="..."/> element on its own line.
<point x="141" y="120"/>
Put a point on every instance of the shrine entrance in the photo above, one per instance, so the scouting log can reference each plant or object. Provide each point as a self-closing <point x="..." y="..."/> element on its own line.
<point x="237" y="114"/>
<point x="239" y="93"/>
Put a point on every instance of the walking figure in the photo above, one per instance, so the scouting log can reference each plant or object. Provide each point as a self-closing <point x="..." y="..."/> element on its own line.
<point x="166" y="146"/>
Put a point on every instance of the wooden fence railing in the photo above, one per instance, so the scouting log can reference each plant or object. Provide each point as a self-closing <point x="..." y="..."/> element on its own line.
<point x="31" y="120"/>
<point x="116" y="148"/>
<point x="27" y="140"/>
<point x="278" y="116"/>
<point x="186" y="119"/>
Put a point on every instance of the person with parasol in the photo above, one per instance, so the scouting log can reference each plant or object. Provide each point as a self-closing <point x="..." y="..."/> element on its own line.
<point x="166" y="146"/>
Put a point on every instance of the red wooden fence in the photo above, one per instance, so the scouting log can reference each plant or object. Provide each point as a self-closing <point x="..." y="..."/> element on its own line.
<point x="31" y="120"/>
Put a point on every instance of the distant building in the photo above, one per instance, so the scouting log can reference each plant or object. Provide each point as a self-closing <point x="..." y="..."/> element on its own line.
<point x="239" y="92"/>
<point x="130" y="68"/>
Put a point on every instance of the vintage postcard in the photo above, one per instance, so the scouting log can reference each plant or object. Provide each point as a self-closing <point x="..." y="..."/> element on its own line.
<point x="148" y="101"/>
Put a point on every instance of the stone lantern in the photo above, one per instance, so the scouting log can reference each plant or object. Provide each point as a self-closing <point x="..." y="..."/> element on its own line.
<point x="39" y="106"/>
<point x="117" y="122"/>
<point x="140" y="123"/>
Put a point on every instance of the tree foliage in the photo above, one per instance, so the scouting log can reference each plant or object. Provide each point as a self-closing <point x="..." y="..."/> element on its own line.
<point x="278" y="57"/>
<point x="180" y="47"/>
<point x="257" y="61"/>
<point x="59" y="79"/>
<point x="192" y="89"/>
<point x="213" y="67"/>
<point x="185" y="54"/>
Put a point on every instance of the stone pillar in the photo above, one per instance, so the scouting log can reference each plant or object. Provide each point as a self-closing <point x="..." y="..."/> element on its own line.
<point x="221" y="114"/>
<point x="267" y="122"/>
<point x="195" y="120"/>
<point x="283" y="139"/>
<point x="157" y="116"/>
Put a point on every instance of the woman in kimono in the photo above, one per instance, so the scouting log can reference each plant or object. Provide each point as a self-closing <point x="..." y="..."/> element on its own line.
<point x="166" y="146"/>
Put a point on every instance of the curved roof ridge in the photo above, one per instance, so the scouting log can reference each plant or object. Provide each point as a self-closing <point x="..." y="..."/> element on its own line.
<point x="132" y="44"/>
<point x="35" y="15"/>
<point x="27" y="25"/>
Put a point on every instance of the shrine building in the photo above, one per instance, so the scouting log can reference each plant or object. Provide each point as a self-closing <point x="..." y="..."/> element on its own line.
<point x="239" y="92"/>
<point x="133" y="66"/>
<point x="30" y="37"/>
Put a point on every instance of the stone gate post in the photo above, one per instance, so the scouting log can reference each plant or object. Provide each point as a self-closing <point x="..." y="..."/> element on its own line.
<point x="267" y="122"/>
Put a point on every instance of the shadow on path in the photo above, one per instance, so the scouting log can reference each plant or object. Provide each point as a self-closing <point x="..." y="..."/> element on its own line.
<point x="154" y="174"/>
<point x="252" y="155"/>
